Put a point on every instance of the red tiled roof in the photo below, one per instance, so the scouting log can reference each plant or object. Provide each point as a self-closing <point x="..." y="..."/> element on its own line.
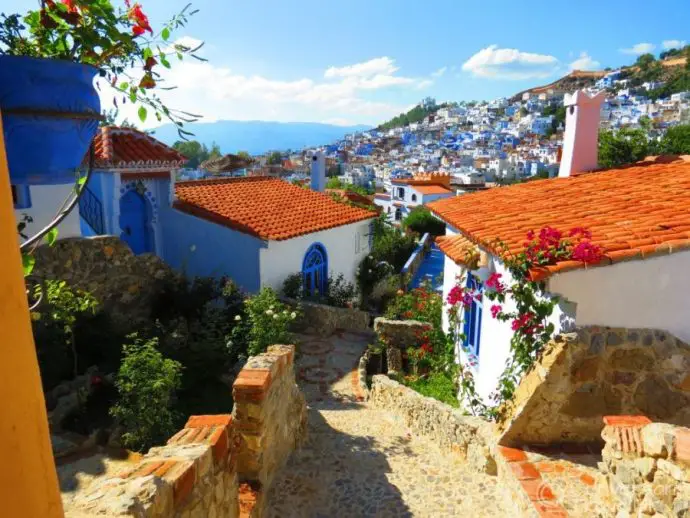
<point x="128" y="148"/>
<point x="633" y="212"/>
<point x="432" y="189"/>
<point x="457" y="247"/>
<point x="265" y="207"/>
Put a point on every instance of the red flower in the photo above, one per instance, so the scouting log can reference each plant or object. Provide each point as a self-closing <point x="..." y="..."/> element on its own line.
<point x="494" y="282"/>
<point x="150" y="63"/>
<point x="580" y="232"/>
<point x="495" y="310"/>
<point x="96" y="379"/>
<point x="455" y="295"/>
<point x="427" y="348"/>
<point x="141" y="21"/>
<point x="70" y="5"/>
<point x="587" y="252"/>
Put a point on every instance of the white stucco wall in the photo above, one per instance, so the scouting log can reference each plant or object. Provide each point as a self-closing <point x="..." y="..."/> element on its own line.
<point x="282" y="258"/>
<point x="46" y="200"/>
<point x="651" y="293"/>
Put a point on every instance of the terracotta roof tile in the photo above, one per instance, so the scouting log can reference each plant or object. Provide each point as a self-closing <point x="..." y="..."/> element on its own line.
<point x="432" y="189"/>
<point x="265" y="207"/>
<point x="457" y="247"/>
<point x="128" y="148"/>
<point x="633" y="212"/>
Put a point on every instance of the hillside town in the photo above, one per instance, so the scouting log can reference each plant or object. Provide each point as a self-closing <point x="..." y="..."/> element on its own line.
<point x="475" y="308"/>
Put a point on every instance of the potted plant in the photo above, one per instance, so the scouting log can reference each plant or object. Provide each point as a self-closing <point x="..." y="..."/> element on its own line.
<point x="49" y="58"/>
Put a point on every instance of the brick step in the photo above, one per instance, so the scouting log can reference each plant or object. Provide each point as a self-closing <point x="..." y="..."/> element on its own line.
<point x="550" y="483"/>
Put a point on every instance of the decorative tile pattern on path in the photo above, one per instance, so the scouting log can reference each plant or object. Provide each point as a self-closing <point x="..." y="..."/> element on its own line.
<point x="363" y="462"/>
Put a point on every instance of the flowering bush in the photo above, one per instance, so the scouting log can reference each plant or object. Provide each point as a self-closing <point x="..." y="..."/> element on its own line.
<point x="117" y="40"/>
<point x="529" y="320"/>
<point x="266" y="323"/>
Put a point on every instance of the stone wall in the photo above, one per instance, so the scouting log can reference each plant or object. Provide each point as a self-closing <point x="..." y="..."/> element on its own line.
<point x="324" y="320"/>
<point x="646" y="468"/>
<point x="594" y="372"/>
<point x="217" y="466"/>
<point x="123" y="283"/>
<point x="470" y="437"/>
<point x="400" y="333"/>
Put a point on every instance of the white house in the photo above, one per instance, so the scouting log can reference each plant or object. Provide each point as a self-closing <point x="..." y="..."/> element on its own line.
<point x="255" y="230"/>
<point x="408" y="193"/>
<point x="638" y="216"/>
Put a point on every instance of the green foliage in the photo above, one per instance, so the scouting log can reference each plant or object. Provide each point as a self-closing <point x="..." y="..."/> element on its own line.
<point x="266" y="323"/>
<point x="622" y="147"/>
<point x="437" y="385"/>
<point x="416" y="114"/>
<point x="118" y="41"/>
<point x="292" y="286"/>
<point x="336" y="183"/>
<point x="676" y="141"/>
<point x="678" y="80"/>
<point x="275" y="158"/>
<point x="421" y="304"/>
<point x="196" y="152"/>
<point x="339" y="292"/>
<point x="421" y="220"/>
<point x="645" y="61"/>
<point x="146" y="383"/>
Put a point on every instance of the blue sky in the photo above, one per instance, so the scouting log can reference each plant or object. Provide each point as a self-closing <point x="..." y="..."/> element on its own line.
<point x="361" y="61"/>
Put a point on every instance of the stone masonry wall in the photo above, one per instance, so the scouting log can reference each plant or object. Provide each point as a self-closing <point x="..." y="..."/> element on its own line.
<point x="646" y="468"/>
<point x="594" y="372"/>
<point x="471" y="437"/>
<point x="400" y="333"/>
<point x="122" y="282"/>
<point x="270" y="415"/>
<point x="218" y="466"/>
<point x="324" y="320"/>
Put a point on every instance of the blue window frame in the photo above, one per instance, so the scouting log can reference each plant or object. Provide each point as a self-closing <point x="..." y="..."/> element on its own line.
<point x="315" y="270"/>
<point x="473" y="318"/>
<point x="21" y="197"/>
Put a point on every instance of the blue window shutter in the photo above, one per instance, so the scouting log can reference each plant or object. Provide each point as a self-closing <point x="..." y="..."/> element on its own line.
<point x="21" y="196"/>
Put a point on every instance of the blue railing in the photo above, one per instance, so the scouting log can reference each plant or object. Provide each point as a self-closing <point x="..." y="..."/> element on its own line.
<point x="91" y="210"/>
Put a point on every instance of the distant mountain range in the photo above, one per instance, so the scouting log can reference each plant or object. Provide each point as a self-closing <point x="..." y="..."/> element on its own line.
<point x="257" y="137"/>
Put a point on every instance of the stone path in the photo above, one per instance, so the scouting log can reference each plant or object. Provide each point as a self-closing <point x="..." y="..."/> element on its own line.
<point x="361" y="462"/>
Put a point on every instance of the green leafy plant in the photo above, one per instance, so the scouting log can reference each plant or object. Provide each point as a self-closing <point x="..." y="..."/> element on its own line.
<point x="292" y="285"/>
<point x="119" y="41"/>
<point x="146" y="383"/>
<point x="266" y="323"/>
<point x="437" y="385"/>
<point x="421" y="220"/>
<point x="63" y="308"/>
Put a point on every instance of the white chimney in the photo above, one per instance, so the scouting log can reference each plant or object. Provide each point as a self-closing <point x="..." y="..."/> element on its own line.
<point x="581" y="137"/>
<point x="318" y="172"/>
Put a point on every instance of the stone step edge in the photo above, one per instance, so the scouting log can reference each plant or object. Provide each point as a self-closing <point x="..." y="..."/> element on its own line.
<point x="533" y="495"/>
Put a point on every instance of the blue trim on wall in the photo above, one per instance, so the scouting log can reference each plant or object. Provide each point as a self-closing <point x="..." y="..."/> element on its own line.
<point x="473" y="318"/>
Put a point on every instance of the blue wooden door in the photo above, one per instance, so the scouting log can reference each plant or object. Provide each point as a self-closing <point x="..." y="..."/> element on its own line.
<point x="473" y="318"/>
<point x="135" y="222"/>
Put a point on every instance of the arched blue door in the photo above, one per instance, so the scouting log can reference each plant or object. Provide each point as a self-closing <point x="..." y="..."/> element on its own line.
<point x="135" y="218"/>
<point x="315" y="270"/>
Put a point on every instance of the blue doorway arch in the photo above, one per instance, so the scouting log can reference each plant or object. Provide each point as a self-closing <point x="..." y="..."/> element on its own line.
<point x="315" y="270"/>
<point x="135" y="222"/>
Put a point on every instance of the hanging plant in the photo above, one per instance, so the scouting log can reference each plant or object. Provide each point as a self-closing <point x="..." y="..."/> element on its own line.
<point x="118" y="41"/>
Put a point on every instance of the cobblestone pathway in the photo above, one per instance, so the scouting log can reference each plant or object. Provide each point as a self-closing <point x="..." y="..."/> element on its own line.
<point x="360" y="462"/>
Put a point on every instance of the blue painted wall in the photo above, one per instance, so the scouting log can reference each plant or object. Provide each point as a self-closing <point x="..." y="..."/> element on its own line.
<point x="200" y="248"/>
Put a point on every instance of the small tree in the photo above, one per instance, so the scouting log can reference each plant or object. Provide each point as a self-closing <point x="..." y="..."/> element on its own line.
<point x="421" y="220"/>
<point x="275" y="158"/>
<point x="623" y="147"/>
<point x="146" y="383"/>
<point x="676" y="141"/>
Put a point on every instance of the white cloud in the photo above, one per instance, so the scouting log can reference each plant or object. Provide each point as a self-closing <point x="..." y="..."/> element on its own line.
<point x="585" y="62"/>
<point x="639" y="48"/>
<point x="383" y="65"/>
<point x="439" y="72"/>
<point x="497" y="63"/>
<point x="217" y="92"/>
<point x="673" y="44"/>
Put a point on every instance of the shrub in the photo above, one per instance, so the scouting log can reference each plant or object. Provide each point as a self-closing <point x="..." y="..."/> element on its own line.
<point x="436" y="385"/>
<point x="146" y="383"/>
<point x="62" y="311"/>
<point x="292" y="285"/>
<point x="421" y="220"/>
<point x="339" y="292"/>
<point x="267" y="322"/>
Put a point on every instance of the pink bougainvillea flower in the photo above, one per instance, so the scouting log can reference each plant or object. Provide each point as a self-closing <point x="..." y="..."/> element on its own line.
<point x="495" y="310"/>
<point x="580" y="232"/>
<point x="494" y="282"/>
<point x="587" y="252"/>
<point x="455" y="295"/>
